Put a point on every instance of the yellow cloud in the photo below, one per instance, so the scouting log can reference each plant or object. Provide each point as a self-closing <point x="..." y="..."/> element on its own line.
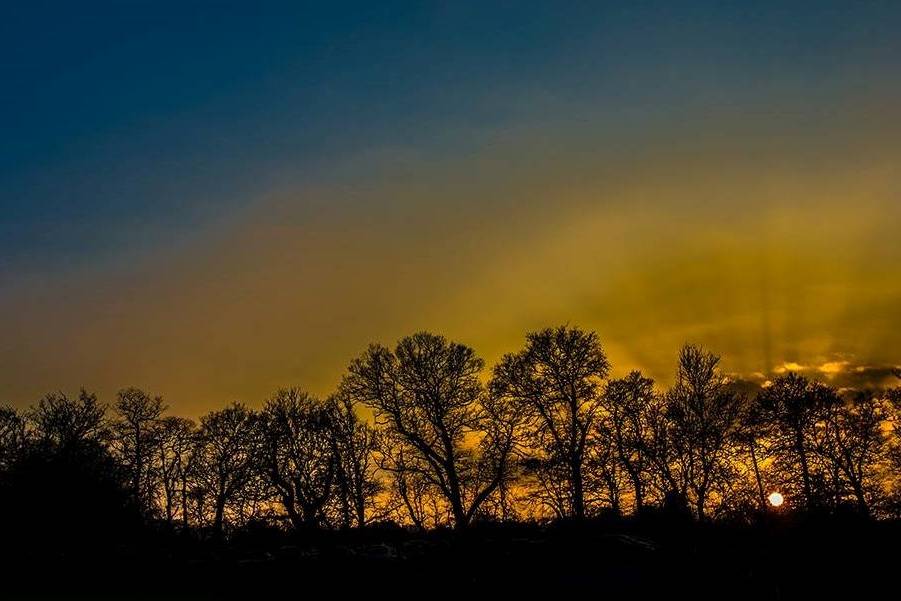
<point x="831" y="368"/>
<point x="790" y="366"/>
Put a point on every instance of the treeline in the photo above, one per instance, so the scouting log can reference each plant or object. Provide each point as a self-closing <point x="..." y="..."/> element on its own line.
<point x="420" y="434"/>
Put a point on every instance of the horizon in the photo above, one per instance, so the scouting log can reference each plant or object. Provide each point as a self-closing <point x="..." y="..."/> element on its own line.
<point x="843" y="377"/>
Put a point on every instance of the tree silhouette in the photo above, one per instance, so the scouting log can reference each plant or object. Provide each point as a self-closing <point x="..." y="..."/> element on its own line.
<point x="851" y="439"/>
<point x="225" y="460"/>
<point x="430" y="404"/>
<point x="176" y="440"/>
<point x="413" y="496"/>
<point x="355" y="444"/>
<point x="298" y="456"/>
<point x="606" y="481"/>
<point x="63" y="487"/>
<point x="752" y="436"/>
<point x="792" y="405"/>
<point x="12" y="436"/>
<point x="555" y="381"/>
<point x="892" y="397"/>
<point x="134" y="437"/>
<point x="704" y="421"/>
<point x="548" y="437"/>
<point x="60" y="421"/>
<point x="626" y="403"/>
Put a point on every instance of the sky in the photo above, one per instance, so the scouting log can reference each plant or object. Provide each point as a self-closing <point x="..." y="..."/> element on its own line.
<point x="214" y="200"/>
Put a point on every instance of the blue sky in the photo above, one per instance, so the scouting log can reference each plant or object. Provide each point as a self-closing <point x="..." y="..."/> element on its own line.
<point x="141" y="119"/>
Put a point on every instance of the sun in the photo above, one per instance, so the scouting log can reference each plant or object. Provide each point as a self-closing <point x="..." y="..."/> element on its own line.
<point x="776" y="499"/>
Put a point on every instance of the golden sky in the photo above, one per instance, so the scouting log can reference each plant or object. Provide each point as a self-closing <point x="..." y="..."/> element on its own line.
<point x="214" y="210"/>
<point x="769" y="246"/>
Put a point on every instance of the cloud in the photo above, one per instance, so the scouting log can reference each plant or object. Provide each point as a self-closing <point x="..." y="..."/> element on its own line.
<point x="867" y="377"/>
<point x="843" y="373"/>
<point x="833" y="368"/>
<point x="791" y="367"/>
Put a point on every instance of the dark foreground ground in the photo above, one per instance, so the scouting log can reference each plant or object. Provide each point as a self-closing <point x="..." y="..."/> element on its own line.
<point x="777" y="558"/>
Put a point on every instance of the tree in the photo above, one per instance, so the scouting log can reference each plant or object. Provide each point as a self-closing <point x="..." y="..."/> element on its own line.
<point x="134" y="439"/>
<point x="413" y="496"/>
<point x="66" y="422"/>
<point x="355" y="443"/>
<point x="752" y="436"/>
<point x="175" y="442"/>
<point x="667" y="465"/>
<point x="627" y="402"/>
<point x="12" y="436"/>
<point x="851" y="439"/>
<point x="892" y="397"/>
<point x="555" y="382"/>
<point x="498" y="451"/>
<point x="430" y="405"/>
<point x="225" y="460"/>
<point x="791" y="406"/>
<point x="606" y="481"/>
<point x="298" y="456"/>
<point x="704" y="419"/>
<point x="64" y="489"/>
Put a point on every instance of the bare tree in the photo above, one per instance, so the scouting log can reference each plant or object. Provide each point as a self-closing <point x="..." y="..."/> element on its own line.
<point x="606" y="481"/>
<point x="499" y="452"/>
<point x="627" y="402"/>
<point x="175" y="442"/>
<point x="430" y="405"/>
<point x="892" y="397"/>
<point x="412" y="496"/>
<point x="792" y="406"/>
<point x="704" y="419"/>
<point x="134" y="441"/>
<point x="298" y="456"/>
<point x="12" y="436"/>
<point x="355" y="443"/>
<point x="753" y="436"/>
<point x="62" y="421"/>
<point x="224" y="465"/>
<point x="668" y="469"/>
<point x="556" y="382"/>
<point x="851" y="439"/>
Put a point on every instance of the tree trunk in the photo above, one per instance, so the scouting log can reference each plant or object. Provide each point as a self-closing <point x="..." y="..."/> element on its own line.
<point x="169" y="495"/>
<point x="184" y="504"/>
<point x="461" y="520"/>
<point x="578" y="492"/>
<point x="757" y="477"/>
<point x="220" y="514"/>
<point x="296" y="521"/>
<point x="638" y="488"/>
<point x="862" y="504"/>
<point x="360" y="508"/>
<point x="805" y="470"/>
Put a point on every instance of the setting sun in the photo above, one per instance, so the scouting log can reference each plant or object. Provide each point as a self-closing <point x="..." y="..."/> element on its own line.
<point x="776" y="499"/>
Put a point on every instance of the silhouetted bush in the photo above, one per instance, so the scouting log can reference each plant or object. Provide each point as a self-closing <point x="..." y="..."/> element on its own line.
<point x="65" y="499"/>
